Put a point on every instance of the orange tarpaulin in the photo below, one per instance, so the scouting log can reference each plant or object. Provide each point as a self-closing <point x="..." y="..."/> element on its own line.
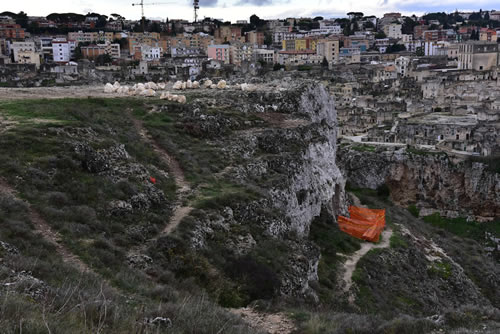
<point x="366" y="224"/>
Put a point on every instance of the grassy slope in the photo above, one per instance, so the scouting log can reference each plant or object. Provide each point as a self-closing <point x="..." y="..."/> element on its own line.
<point x="38" y="158"/>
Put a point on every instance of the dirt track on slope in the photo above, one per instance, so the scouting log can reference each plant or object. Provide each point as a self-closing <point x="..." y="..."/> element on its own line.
<point x="183" y="188"/>
<point x="44" y="229"/>
<point x="271" y="323"/>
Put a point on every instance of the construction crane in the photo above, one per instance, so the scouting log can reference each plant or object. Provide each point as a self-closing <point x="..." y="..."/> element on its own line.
<point x="142" y="4"/>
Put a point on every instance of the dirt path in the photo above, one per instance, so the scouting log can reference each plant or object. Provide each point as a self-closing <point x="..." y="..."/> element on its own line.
<point x="183" y="188"/>
<point x="352" y="260"/>
<point x="44" y="229"/>
<point x="54" y="92"/>
<point x="271" y="323"/>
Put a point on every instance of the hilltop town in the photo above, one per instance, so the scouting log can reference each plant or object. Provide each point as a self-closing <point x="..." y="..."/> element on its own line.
<point x="429" y="81"/>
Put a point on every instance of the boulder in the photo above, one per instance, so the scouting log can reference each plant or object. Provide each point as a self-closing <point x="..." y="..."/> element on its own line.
<point x="161" y="86"/>
<point x="213" y="86"/>
<point x="189" y="84"/>
<point x="148" y="93"/>
<point x="183" y="86"/>
<point x="196" y="85"/>
<point x="207" y="83"/>
<point x="108" y="88"/>
<point x="152" y="85"/>
<point x="177" y="85"/>
<point x="181" y="99"/>
<point x="222" y="84"/>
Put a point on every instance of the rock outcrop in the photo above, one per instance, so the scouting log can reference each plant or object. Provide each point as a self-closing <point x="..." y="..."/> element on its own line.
<point x="431" y="181"/>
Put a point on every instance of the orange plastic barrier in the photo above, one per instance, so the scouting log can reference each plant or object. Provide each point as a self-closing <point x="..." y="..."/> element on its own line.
<point x="366" y="224"/>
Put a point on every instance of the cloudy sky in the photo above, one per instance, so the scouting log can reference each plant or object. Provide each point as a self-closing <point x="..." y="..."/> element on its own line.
<point x="241" y="9"/>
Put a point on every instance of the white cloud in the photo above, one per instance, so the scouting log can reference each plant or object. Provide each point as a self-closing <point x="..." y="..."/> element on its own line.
<point x="230" y="10"/>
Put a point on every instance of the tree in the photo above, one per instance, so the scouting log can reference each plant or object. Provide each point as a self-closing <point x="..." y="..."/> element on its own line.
<point x="395" y="48"/>
<point x="103" y="59"/>
<point x="324" y="63"/>
<point x="420" y="51"/>
<point x="22" y="19"/>
<point x="268" y="39"/>
<point x="380" y="35"/>
<point x="318" y="18"/>
<point x="408" y="25"/>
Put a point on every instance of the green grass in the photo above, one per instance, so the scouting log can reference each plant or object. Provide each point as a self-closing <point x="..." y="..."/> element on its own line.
<point x="463" y="228"/>
<point x="364" y="148"/>
<point x="440" y="269"/>
<point x="39" y="158"/>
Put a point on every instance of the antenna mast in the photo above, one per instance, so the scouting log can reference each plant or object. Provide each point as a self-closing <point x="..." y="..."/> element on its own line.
<point x="196" y="4"/>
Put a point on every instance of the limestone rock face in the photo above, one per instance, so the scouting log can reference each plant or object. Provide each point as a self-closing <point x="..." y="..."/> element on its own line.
<point x="434" y="182"/>
<point x="294" y="159"/>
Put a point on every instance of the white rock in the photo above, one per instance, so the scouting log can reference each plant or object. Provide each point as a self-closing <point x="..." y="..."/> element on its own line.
<point x="213" y="86"/>
<point x="181" y="99"/>
<point x="108" y="88"/>
<point x="161" y="86"/>
<point x="140" y="87"/>
<point x="183" y="86"/>
<point x="222" y="84"/>
<point x="131" y="93"/>
<point x="152" y="85"/>
<point x="123" y="90"/>
<point x="189" y="84"/>
<point x="196" y="85"/>
<point x="207" y="83"/>
<point x="177" y="85"/>
<point x="148" y="93"/>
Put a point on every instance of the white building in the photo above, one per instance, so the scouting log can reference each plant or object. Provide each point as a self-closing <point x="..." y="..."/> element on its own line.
<point x="266" y="55"/>
<point x="150" y="53"/>
<point x="402" y="65"/>
<point x="63" y="50"/>
<point x="393" y="30"/>
<point x="17" y="47"/>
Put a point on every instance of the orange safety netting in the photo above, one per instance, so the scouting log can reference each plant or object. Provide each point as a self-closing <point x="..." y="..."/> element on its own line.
<point x="366" y="224"/>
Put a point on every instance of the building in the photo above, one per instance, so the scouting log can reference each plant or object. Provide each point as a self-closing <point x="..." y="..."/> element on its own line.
<point x="28" y="57"/>
<point x="151" y="53"/>
<point x="402" y="66"/>
<point x="93" y="51"/>
<point x="495" y="15"/>
<point x="265" y="55"/>
<point x="12" y="31"/>
<point x="393" y="30"/>
<point x="228" y="33"/>
<point x="488" y="35"/>
<point x="479" y="56"/>
<point x="63" y="50"/>
<point x="241" y="52"/>
<point x="255" y="37"/>
<point x="90" y="37"/>
<point x="137" y="39"/>
<point x="328" y="49"/>
<point x="220" y="52"/>
<point x="299" y="57"/>
<point x="17" y="47"/>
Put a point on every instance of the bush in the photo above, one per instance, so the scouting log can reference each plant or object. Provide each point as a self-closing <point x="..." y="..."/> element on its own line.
<point x="260" y="281"/>
<point x="414" y="210"/>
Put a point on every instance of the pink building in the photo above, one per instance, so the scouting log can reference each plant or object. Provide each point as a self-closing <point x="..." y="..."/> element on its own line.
<point x="219" y="52"/>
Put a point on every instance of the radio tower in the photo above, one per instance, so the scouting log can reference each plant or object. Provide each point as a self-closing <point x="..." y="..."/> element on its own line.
<point x="196" y="5"/>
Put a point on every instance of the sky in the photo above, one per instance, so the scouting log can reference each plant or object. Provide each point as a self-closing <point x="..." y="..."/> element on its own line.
<point x="232" y="10"/>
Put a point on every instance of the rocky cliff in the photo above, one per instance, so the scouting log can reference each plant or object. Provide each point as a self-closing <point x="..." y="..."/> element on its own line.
<point x="288" y="161"/>
<point x="431" y="181"/>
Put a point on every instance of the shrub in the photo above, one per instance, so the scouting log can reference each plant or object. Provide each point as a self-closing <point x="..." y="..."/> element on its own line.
<point x="414" y="210"/>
